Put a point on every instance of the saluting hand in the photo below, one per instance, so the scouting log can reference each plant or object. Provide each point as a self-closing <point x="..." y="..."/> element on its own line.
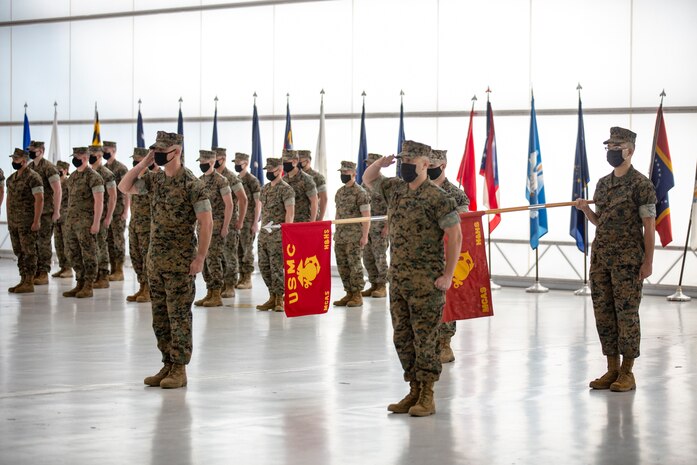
<point x="386" y="161"/>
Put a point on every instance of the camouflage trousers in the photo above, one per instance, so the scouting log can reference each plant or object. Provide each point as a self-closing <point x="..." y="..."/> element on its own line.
<point x="214" y="266"/>
<point x="375" y="254"/>
<point x="138" y="243"/>
<point x="59" y="244"/>
<point x="24" y="247"/>
<point x="348" y="261"/>
<point x="245" y="249"/>
<point x="616" y="294"/>
<point x="116" y="240"/>
<point x="44" y="250"/>
<point x="229" y="251"/>
<point x="102" y="251"/>
<point x="81" y="246"/>
<point x="447" y="330"/>
<point x="172" y="295"/>
<point x="416" y="317"/>
<point x="270" y="250"/>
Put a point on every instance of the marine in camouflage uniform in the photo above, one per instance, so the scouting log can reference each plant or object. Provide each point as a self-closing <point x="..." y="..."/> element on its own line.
<point x="65" y="270"/>
<point x="352" y="201"/>
<point x="250" y="225"/>
<point x="420" y="215"/>
<point x="178" y="201"/>
<point x="303" y="186"/>
<point x="103" y="261"/>
<point x="52" y="199"/>
<point x="25" y="196"/>
<point x="436" y="172"/>
<point x="116" y="240"/>
<point x="218" y="189"/>
<point x="621" y="257"/>
<point x="2" y="187"/>
<point x="139" y="232"/>
<point x="239" y="198"/>
<point x="305" y="163"/>
<point x="86" y="197"/>
<point x="375" y="252"/>
<point x="277" y="206"/>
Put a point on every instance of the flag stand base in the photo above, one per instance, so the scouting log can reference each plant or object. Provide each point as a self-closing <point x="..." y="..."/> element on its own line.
<point x="493" y="285"/>
<point x="537" y="288"/>
<point x="679" y="296"/>
<point x="585" y="290"/>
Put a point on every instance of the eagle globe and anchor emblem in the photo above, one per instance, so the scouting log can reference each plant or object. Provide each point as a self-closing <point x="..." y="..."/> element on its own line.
<point x="308" y="271"/>
<point x="465" y="264"/>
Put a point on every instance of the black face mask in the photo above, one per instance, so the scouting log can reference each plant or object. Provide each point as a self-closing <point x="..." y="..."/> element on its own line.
<point x="32" y="155"/>
<point x="238" y="168"/>
<point x="204" y="167"/>
<point x="217" y="164"/>
<point x="152" y="166"/>
<point x="161" y="158"/>
<point x="107" y="155"/>
<point x="345" y="178"/>
<point x="77" y="162"/>
<point x="408" y="172"/>
<point x="16" y="165"/>
<point x="614" y="158"/>
<point x="434" y="173"/>
<point x="93" y="159"/>
<point x="287" y="167"/>
<point x="135" y="163"/>
<point x="270" y="176"/>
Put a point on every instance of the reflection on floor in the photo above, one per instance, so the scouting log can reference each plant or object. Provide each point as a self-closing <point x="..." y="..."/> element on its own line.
<point x="265" y="389"/>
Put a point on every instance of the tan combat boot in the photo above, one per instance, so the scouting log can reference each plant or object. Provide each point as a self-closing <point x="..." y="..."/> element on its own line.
<point x="426" y="405"/>
<point x="613" y="371"/>
<point x="73" y="292"/>
<point x="144" y="297"/>
<point x="21" y="281"/>
<point x="66" y="273"/>
<point x="625" y="382"/>
<point x="214" y="300"/>
<point x="343" y="301"/>
<point x="57" y="274"/>
<point x="117" y="272"/>
<point x="356" y="300"/>
<point x="409" y="400"/>
<point x="134" y="297"/>
<point x="368" y="292"/>
<point x="102" y="281"/>
<point x="245" y="282"/>
<point x="379" y="292"/>
<point x="446" y="352"/>
<point x="278" y="306"/>
<point x="200" y="302"/>
<point x="269" y="304"/>
<point x="41" y="278"/>
<point x="155" y="380"/>
<point x="176" y="377"/>
<point x="86" y="290"/>
<point x="228" y="291"/>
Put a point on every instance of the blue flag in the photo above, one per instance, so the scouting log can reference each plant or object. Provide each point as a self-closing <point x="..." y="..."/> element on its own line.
<point x="288" y="135"/>
<point x="577" y="228"/>
<point x="140" y="132"/>
<point x="362" y="150"/>
<point x="257" y="167"/>
<point x="214" y="142"/>
<point x="26" y="136"/>
<point x="400" y="138"/>
<point x="535" y="188"/>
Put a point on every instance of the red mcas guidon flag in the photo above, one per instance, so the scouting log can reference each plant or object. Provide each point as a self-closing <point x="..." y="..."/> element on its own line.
<point x="307" y="267"/>
<point x="469" y="295"/>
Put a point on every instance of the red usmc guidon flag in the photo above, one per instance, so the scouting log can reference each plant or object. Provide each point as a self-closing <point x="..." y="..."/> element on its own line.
<point x="307" y="267"/>
<point x="469" y="295"/>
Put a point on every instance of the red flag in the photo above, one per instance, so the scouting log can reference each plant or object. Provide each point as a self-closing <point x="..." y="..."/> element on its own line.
<point x="470" y="294"/>
<point x="467" y="175"/>
<point x="490" y="169"/>
<point x="307" y="267"/>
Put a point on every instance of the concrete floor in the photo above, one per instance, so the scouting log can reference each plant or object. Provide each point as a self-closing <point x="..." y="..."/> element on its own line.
<point x="265" y="389"/>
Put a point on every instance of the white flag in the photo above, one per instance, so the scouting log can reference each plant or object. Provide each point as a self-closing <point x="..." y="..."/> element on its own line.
<point x="54" y="149"/>
<point x="321" y="152"/>
<point x="693" y="234"/>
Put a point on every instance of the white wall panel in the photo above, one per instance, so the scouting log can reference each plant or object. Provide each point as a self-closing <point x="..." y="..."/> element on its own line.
<point x="92" y="7"/>
<point x="154" y="4"/>
<point x="34" y="9"/>
<point x="5" y="10"/>
<point x="5" y="74"/>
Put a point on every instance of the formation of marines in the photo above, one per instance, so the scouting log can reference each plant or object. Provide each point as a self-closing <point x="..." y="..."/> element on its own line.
<point x="182" y="225"/>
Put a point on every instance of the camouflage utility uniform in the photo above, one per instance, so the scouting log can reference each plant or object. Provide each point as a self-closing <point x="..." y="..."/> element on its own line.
<point x="274" y="200"/>
<point x="616" y="256"/>
<point x="102" y="245"/>
<point x="245" y="250"/>
<point x="229" y="246"/>
<point x="218" y="187"/>
<point x="304" y="188"/>
<point x="139" y="233"/>
<point x="116" y="240"/>
<point x="59" y="227"/>
<point x="350" y="202"/>
<point x="175" y="201"/>
<point x="49" y="174"/>
<point x="21" y="189"/>
<point x="375" y="252"/>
